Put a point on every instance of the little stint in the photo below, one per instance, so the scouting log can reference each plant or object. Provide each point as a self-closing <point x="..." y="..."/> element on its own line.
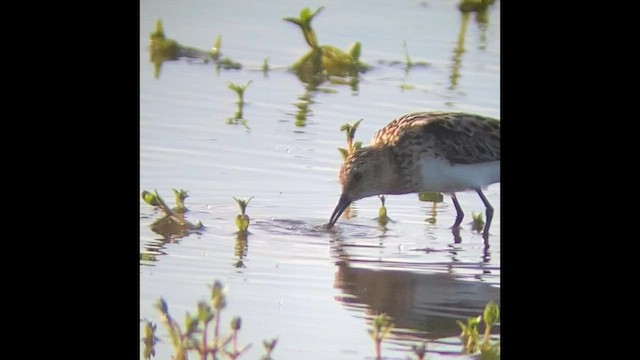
<point x="425" y="152"/>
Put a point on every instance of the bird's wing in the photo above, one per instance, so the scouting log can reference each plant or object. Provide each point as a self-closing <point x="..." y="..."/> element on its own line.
<point x="458" y="137"/>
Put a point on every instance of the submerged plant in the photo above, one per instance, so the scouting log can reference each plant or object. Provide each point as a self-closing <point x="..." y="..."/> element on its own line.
<point x="163" y="49"/>
<point x="323" y="60"/>
<point x="242" y="219"/>
<point x="419" y="350"/>
<point x="383" y="219"/>
<point x="238" y="116"/>
<point x="478" y="221"/>
<point x="173" y="223"/>
<point x="382" y="327"/>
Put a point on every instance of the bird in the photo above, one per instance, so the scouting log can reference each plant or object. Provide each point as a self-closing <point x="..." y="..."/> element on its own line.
<point x="446" y="152"/>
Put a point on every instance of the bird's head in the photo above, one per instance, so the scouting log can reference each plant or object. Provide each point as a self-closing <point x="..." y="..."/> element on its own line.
<point x="366" y="172"/>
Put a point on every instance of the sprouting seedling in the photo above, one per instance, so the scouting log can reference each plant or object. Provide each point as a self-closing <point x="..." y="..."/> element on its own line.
<point x="239" y="90"/>
<point x="469" y="334"/>
<point x="158" y="34"/>
<point x="236" y="322"/>
<point x="205" y="316"/>
<point x="408" y="61"/>
<point x="419" y="350"/>
<point x="180" y="195"/>
<point x="352" y="146"/>
<point x="382" y="327"/>
<point x="242" y="219"/>
<point x="265" y="66"/>
<point x="215" y="50"/>
<point x="478" y="221"/>
<point x="149" y="340"/>
<point x="491" y="315"/>
<point x="218" y="302"/>
<point x="182" y="341"/>
<point x="304" y="22"/>
<point x="268" y="345"/>
<point x="383" y="219"/>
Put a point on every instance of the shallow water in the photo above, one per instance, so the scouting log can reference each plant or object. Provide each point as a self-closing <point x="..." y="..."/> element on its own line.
<point x="314" y="289"/>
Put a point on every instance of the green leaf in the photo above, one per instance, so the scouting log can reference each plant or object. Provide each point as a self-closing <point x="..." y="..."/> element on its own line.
<point x="162" y="306"/>
<point x="150" y="198"/>
<point x="218" y="296"/>
<point x="354" y="50"/>
<point x="491" y="313"/>
<point x="305" y="14"/>
<point x="236" y="322"/>
<point x="270" y="344"/>
<point x="344" y="153"/>
<point x="215" y="50"/>
<point x="242" y="203"/>
<point x="204" y="312"/>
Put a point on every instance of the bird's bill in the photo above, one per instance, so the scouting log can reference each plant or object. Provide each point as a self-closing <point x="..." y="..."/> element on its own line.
<point x="343" y="203"/>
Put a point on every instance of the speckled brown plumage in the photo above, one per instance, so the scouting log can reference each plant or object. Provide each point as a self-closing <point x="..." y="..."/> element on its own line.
<point x="458" y="137"/>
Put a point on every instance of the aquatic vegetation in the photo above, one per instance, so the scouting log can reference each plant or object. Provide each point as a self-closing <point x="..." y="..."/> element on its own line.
<point x="242" y="219"/>
<point x="350" y="131"/>
<point x="181" y="195"/>
<point x="238" y="116"/>
<point x="470" y="335"/>
<point x="419" y="350"/>
<point x="173" y="223"/>
<point x="268" y="345"/>
<point x="383" y="219"/>
<point x="382" y="327"/>
<point x="149" y="340"/>
<point x="163" y="49"/>
<point x="193" y="335"/>
<point x="433" y="197"/>
<point x="323" y="61"/>
<point x="235" y="327"/>
<point x="474" y="5"/>
<point x="265" y="66"/>
<point x="408" y="63"/>
<point x="478" y="222"/>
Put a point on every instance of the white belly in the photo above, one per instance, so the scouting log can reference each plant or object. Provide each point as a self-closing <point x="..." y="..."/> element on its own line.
<point x="440" y="176"/>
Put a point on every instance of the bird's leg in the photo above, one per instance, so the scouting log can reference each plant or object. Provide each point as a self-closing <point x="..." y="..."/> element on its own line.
<point x="489" y="214"/>
<point x="459" y="213"/>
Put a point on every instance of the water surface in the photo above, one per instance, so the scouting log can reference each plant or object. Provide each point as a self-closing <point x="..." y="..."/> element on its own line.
<point x="313" y="289"/>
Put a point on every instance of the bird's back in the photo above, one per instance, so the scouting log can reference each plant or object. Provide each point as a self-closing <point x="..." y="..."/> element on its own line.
<point x="458" y="137"/>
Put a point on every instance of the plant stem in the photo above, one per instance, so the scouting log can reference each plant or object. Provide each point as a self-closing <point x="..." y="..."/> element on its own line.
<point x="217" y="324"/>
<point x="204" y="352"/>
<point x="487" y="333"/>
<point x="378" y="354"/>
